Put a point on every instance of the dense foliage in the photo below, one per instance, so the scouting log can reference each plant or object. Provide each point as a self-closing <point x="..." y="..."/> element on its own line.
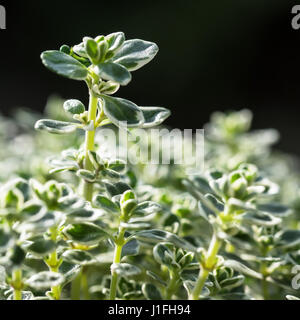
<point x="78" y="224"/>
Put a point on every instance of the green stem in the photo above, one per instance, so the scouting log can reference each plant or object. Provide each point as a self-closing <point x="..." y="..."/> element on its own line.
<point x="264" y="283"/>
<point x="207" y="266"/>
<point x="53" y="264"/>
<point x="75" y="287"/>
<point x="90" y="146"/>
<point x="172" y="287"/>
<point x="85" y="285"/>
<point x="117" y="259"/>
<point x="17" y="284"/>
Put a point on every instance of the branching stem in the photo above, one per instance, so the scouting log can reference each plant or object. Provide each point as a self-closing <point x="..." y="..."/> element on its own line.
<point x="207" y="266"/>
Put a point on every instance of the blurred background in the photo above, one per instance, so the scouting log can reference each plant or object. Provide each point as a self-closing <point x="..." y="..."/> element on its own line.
<point x="214" y="55"/>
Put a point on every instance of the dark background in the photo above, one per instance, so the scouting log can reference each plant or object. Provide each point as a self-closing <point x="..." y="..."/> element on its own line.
<point x="214" y="55"/>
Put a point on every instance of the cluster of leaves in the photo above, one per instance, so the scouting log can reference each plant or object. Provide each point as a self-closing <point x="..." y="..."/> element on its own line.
<point x="83" y="225"/>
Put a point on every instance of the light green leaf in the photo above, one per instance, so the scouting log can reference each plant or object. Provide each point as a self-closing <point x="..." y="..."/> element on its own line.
<point x="92" y="50"/>
<point x="64" y="65"/>
<point x="135" y="53"/>
<point x="260" y="218"/>
<point x="155" y="236"/>
<point x="56" y="127"/>
<point x="113" y="72"/>
<point x="44" y="280"/>
<point x="78" y="257"/>
<point x="238" y="266"/>
<point x="115" y="41"/>
<point x="125" y="269"/>
<point x="86" y="175"/>
<point x="74" y="106"/>
<point x="154" y="116"/>
<point x="147" y="207"/>
<point x="122" y="112"/>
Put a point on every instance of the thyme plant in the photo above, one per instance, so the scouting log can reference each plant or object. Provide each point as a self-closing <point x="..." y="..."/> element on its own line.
<point x="87" y="225"/>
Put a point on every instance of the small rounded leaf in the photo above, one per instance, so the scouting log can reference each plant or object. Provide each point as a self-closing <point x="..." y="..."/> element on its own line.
<point x="56" y="127"/>
<point x="74" y="106"/>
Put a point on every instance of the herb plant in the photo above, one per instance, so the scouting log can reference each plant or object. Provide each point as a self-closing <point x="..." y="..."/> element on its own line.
<point x="86" y="225"/>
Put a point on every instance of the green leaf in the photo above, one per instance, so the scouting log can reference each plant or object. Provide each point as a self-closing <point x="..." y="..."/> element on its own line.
<point x="156" y="277"/>
<point x="69" y="271"/>
<point x="113" y="72"/>
<point x="86" y="175"/>
<point x="6" y="241"/>
<point x="32" y="211"/>
<point x="85" y="233"/>
<point x="277" y="209"/>
<point x="260" y="218"/>
<point x="289" y="239"/>
<point x="16" y="255"/>
<point x="163" y="255"/>
<point x="80" y="257"/>
<point x="151" y="292"/>
<point x="92" y="50"/>
<point x="125" y="269"/>
<point x="117" y="188"/>
<point x="155" y="236"/>
<point x="131" y="248"/>
<point x="117" y="165"/>
<point x="147" y="207"/>
<point x="154" y="116"/>
<point x="64" y="65"/>
<point x="40" y="246"/>
<point x="238" y="266"/>
<point x="44" y="280"/>
<point x="115" y="41"/>
<point x="56" y="127"/>
<point x="83" y="215"/>
<point x="135" y="53"/>
<point x="233" y="282"/>
<point x="74" y="106"/>
<point x="122" y="112"/>
<point x="106" y="204"/>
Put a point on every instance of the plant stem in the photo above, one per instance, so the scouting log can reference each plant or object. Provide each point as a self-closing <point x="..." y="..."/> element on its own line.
<point x="53" y="264"/>
<point x="172" y="287"/>
<point x="75" y="287"/>
<point x="17" y="283"/>
<point x="264" y="283"/>
<point x="90" y="145"/>
<point x="207" y="266"/>
<point x="84" y="284"/>
<point x="117" y="259"/>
